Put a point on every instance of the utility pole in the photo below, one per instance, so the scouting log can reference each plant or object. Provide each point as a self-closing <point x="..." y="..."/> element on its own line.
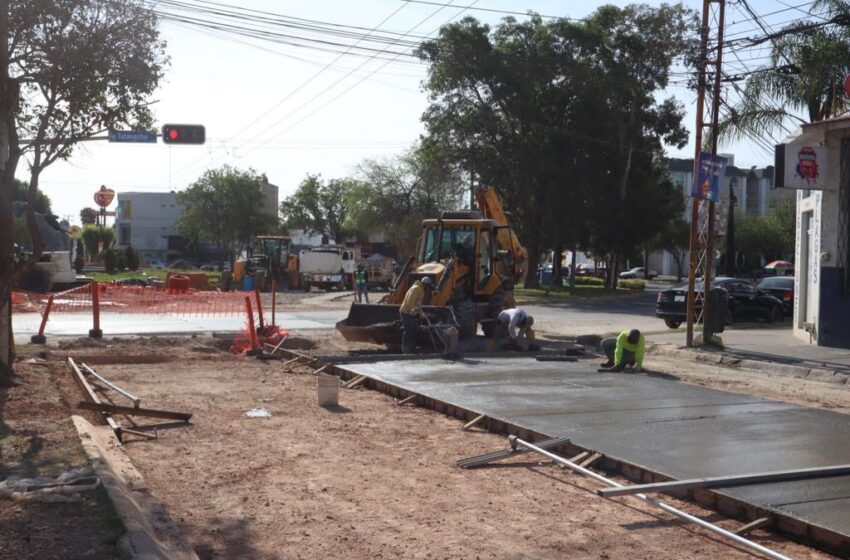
<point x="702" y="210"/>
<point x="731" y="261"/>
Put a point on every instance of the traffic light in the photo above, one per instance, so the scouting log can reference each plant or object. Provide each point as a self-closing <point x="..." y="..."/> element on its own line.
<point x="183" y="134"/>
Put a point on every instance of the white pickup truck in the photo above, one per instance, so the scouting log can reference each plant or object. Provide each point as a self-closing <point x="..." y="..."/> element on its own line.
<point x="326" y="267"/>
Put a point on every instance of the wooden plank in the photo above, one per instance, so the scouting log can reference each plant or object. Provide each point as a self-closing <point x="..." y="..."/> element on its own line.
<point x="141" y="434"/>
<point x="724" y="481"/>
<point x="321" y="369"/>
<point x="354" y="382"/>
<point x="407" y="399"/>
<point x="473" y="422"/>
<point x="89" y="391"/>
<point x="590" y="460"/>
<point x="132" y="411"/>
<point x="753" y="525"/>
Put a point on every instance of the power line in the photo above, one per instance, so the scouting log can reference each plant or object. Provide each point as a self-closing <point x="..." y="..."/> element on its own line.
<point x="493" y="10"/>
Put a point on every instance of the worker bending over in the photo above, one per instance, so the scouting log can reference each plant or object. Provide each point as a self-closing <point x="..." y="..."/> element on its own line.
<point x="625" y="350"/>
<point x="515" y="325"/>
<point x="411" y="307"/>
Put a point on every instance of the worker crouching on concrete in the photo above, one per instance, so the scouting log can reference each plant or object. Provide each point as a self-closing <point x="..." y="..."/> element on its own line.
<point x="625" y="351"/>
<point x="515" y="326"/>
<point x="411" y="307"/>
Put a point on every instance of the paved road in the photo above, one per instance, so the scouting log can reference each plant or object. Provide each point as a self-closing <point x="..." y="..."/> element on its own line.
<point x="78" y="324"/>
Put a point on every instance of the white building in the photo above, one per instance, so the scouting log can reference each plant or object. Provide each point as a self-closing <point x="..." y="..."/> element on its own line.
<point x="815" y="161"/>
<point x="145" y="221"/>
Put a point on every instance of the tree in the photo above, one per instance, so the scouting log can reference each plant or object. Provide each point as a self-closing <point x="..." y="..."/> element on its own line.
<point x="131" y="258"/>
<point x="563" y="114"/>
<point x="393" y="196"/>
<point x="97" y="239"/>
<point x="802" y="82"/>
<point x="675" y="239"/>
<point x="224" y="206"/>
<point x="88" y="216"/>
<point x="20" y="194"/>
<point x="761" y="239"/>
<point x="320" y="207"/>
<point x="75" y="68"/>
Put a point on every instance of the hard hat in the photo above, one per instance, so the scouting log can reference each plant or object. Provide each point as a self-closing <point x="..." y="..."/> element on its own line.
<point x="427" y="281"/>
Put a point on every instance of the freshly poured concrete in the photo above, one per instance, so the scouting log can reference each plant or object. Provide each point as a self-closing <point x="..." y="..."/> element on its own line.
<point x="679" y="430"/>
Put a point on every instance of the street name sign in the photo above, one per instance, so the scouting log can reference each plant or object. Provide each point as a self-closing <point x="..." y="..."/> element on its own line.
<point x="132" y="136"/>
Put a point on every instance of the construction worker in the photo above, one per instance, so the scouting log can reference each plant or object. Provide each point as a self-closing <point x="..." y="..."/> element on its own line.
<point x="515" y="325"/>
<point x="410" y="308"/>
<point x="625" y="350"/>
<point x="361" y="283"/>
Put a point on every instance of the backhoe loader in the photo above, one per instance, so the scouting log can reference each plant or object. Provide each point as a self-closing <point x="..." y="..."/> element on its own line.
<point x="474" y="259"/>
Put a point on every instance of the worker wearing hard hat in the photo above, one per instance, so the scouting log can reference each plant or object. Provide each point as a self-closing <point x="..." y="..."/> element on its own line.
<point x="515" y="325"/>
<point x="410" y="308"/>
<point x="626" y="350"/>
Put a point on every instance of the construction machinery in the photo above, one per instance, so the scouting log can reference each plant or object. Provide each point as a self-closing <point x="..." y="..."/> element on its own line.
<point x="272" y="255"/>
<point x="327" y="267"/>
<point x="474" y="259"/>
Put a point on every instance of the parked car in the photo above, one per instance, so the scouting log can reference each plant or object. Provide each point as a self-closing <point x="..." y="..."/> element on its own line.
<point x="638" y="272"/>
<point x="783" y="288"/>
<point x="157" y="264"/>
<point x="746" y="301"/>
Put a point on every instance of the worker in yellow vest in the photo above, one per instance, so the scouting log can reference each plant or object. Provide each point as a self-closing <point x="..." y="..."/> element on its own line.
<point x="626" y="350"/>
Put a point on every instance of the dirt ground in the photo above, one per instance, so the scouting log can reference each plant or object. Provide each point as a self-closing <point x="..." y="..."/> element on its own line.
<point x="369" y="479"/>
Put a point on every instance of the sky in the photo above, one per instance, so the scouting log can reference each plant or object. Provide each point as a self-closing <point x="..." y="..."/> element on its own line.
<point x="288" y="111"/>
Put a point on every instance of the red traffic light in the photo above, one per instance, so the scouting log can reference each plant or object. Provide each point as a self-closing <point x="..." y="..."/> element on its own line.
<point x="183" y="134"/>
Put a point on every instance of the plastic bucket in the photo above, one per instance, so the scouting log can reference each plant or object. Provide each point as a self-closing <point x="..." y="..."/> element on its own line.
<point x="178" y="284"/>
<point x="248" y="283"/>
<point x="328" y="389"/>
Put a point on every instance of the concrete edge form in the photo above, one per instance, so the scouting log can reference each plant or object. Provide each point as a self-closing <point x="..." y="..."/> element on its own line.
<point x="150" y="533"/>
<point x="791" y="527"/>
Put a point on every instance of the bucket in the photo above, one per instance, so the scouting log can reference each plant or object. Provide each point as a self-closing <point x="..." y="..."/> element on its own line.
<point x="178" y="284"/>
<point x="248" y="283"/>
<point x="328" y="389"/>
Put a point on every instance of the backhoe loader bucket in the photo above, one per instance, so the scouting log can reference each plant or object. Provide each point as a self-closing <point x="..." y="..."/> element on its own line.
<point x="379" y="323"/>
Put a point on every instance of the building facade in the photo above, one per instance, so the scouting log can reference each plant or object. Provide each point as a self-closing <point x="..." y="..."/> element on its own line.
<point x="145" y="221"/>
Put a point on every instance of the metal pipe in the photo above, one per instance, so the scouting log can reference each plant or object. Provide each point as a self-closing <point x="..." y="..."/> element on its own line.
<point x="135" y="400"/>
<point x="658" y="503"/>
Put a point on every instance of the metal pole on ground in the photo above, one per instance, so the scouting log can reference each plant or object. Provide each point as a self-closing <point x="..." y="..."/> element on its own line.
<point x="657" y="503"/>
<point x="40" y="338"/>
<point x="95" y="331"/>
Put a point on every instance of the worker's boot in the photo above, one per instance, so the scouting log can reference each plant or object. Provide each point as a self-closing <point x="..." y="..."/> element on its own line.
<point x="609" y="363"/>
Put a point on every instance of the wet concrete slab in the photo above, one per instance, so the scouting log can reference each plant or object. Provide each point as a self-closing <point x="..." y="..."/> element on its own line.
<point x="658" y="423"/>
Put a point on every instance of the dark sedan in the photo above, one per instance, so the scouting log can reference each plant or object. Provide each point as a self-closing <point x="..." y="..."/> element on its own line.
<point x="783" y="288"/>
<point x="746" y="301"/>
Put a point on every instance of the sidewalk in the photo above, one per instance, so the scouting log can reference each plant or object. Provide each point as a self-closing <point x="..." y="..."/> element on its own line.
<point x="771" y="346"/>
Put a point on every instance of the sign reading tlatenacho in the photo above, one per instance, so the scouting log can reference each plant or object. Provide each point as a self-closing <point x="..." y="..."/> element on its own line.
<point x="132" y="136"/>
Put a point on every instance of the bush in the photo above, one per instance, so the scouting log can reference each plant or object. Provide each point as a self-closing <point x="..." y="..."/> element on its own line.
<point x="110" y="262"/>
<point x="637" y="285"/>
<point x="94" y="235"/>
<point x="589" y="281"/>
<point x="79" y="264"/>
<point x="132" y="259"/>
<point x="121" y="262"/>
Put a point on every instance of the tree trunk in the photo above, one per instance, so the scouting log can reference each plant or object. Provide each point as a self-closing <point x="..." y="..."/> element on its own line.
<point x="556" y="265"/>
<point x="531" y="278"/>
<point x="573" y="268"/>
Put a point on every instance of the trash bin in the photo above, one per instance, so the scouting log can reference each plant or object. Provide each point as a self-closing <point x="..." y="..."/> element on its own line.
<point x="718" y="305"/>
<point x="544" y="275"/>
<point x="248" y="283"/>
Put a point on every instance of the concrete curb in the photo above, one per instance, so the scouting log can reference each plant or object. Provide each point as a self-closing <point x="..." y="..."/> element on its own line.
<point x="823" y="375"/>
<point x="151" y="533"/>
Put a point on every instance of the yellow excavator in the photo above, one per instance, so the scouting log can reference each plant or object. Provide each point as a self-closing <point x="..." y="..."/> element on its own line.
<point x="474" y="259"/>
<point x="273" y="255"/>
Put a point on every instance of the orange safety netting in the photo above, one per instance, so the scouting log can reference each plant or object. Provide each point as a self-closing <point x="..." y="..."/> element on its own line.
<point x="270" y="334"/>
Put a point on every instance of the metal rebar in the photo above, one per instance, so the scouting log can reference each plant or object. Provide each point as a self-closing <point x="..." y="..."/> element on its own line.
<point x="657" y="503"/>
<point x="135" y="400"/>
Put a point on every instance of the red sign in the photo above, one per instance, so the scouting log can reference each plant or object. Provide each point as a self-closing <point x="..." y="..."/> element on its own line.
<point x="104" y="196"/>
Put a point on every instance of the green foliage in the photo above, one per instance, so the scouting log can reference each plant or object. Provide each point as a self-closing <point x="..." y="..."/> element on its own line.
<point x="88" y="216"/>
<point x="79" y="264"/>
<point x="20" y="232"/>
<point x="224" y="206"/>
<point x="320" y="207"/>
<point x="631" y="284"/>
<point x="773" y="100"/>
<point x="393" y="196"/>
<point x="131" y="258"/>
<point x="121" y="261"/>
<point x="110" y="261"/>
<point x="20" y="193"/>
<point x="92" y="236"/>
<point x="519" y="106"/>
<point x="769" y="237"/>
<point x="589" y="281"/>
